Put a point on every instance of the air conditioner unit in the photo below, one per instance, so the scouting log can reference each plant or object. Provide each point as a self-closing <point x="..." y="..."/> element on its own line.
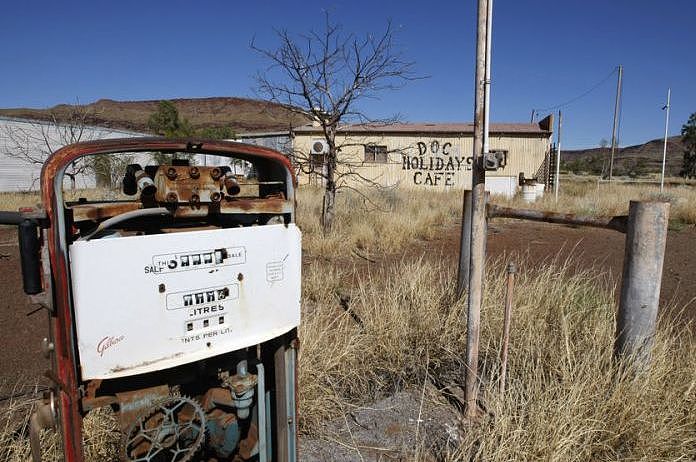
<point x="319" y="147"/>
<point x="495" y="159"/>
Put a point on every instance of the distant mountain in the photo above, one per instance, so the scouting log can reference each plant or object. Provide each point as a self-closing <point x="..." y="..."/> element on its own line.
<point x="241" y="114"/>
<point x="632" y="160"/>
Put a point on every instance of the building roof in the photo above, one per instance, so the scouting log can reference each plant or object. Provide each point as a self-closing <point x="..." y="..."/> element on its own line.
<point x="263" y="134"/>
<point x="424" y="127"/>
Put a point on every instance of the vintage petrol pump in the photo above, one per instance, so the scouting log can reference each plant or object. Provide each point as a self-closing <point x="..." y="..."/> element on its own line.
<point x="175" y="304"/>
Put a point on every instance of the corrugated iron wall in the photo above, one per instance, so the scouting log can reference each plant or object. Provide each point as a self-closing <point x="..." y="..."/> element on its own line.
<point x="17" y="174"/>
<point x="423" y="161"/>
<point x="430" y="160"/>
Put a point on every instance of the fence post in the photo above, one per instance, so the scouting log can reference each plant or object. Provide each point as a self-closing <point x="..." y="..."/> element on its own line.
<point x="464" y="246"/>
<point x="646" y="237"/>
<point x="507" y="318"/>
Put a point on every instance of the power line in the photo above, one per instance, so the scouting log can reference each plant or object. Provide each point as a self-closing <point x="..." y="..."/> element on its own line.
<point x="582" y="95"/>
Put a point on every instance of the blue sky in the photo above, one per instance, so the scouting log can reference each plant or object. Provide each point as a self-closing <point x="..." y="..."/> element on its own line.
<point x="544" y="53"/>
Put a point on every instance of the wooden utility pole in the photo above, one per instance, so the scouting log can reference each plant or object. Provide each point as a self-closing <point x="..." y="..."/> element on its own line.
<point x="477" y="251"/>
<point x="616" y="119"/>
<point x="465" y="238"/>
<point x="664" y="147"/>
<point x="556" y="178"/>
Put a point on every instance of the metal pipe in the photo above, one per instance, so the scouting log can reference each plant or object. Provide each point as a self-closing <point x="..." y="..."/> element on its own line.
<point x="30" y="256"/>
<point x="617" y="223"/>
<point x="646" y="238"/>
<point x="464" y="246"/>
<point x="34" y="437"/>
<point x="145" y="184"/>
<point x="231" y="185"/>
<point x="243" y="395"/>
<point x="507" y="316"/>
<point x="477" y="251"/>
<point x="664" y="147"/>
<point x="42" y="418"/>
<point x="291" y="394"/>
<point x="11" y="218"/>
<point x="261" y="412"/>
<point x="123" y="217"/>
<point x="269" y="425"/>
<point x="242" y="368"/>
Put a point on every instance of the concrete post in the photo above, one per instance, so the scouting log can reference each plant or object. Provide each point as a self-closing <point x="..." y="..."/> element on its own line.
<point x="646" y="237"/>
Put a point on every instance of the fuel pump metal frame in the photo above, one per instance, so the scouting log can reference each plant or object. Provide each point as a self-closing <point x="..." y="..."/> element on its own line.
<point x="273" y="360"/>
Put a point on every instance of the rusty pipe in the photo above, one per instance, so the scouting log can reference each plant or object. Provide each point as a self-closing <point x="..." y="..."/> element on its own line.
<point x="145" y="184"/>
<point x="617" y="223"/>
<point x="113" y="221"/>
<point x="507" y="317"/>
<point x="43" y="417"/>
<point x="34" y="437"/>
<point x="232" y="185"/>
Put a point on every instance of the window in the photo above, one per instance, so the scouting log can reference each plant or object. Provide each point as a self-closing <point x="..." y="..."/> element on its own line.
<point x="376" y="154"/>
<point x="317" y="161"/>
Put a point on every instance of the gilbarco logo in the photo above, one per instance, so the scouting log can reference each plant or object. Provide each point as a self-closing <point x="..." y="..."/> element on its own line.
<point x="107" y="342"/>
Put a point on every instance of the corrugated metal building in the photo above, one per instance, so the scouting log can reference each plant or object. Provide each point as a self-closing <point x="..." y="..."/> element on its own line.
<point x="22" y="141"/>
<point x="409" y="155"/>
<point x="37" y="139"/>
<point x="426" y="156"/>
<point x="280" y="141"/>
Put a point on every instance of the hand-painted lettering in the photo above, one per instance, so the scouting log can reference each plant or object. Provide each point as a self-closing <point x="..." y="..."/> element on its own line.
<point x="436" y="163"/>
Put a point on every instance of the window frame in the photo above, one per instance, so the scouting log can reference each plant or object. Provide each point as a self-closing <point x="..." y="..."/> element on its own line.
<point x="371" y="151"/>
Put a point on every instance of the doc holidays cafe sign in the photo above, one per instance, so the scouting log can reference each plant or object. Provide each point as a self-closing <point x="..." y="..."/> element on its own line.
<point x="436" y="163"/>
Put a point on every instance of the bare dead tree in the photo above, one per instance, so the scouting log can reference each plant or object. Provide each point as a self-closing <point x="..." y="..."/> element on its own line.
<point x="32" y="142"/>
<point x="326" y="74"/>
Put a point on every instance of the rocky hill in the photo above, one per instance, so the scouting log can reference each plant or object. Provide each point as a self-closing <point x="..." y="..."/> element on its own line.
<point x="240" y="114"/>
<point x="635" y="160"/>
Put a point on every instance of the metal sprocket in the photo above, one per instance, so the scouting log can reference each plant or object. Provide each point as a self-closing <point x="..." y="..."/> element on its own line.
<point x="171" y="431"/>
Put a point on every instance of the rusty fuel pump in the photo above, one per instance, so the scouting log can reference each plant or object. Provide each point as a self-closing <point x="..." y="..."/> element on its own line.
<point x="176" y="304"/>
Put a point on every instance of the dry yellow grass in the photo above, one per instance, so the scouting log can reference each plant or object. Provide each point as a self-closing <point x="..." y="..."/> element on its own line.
<point x="588" y="197"/>
<point x="13" y="201"/>
<point x="100" y="429"/>
<point x="565" y="399"/>
<point x="375" y="223"/>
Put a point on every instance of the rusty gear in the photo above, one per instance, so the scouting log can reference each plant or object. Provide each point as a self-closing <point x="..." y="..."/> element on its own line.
<point x="171" y="431"/>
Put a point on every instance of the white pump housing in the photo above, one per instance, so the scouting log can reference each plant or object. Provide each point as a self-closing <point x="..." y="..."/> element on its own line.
<point x="146" y="303"/>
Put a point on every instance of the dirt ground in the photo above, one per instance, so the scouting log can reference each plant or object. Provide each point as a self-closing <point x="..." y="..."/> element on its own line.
<point x="603" y="251"/>
<point x="526" y="243"/>
<point x="21" y="360"/>
<point x="387" y="430"/>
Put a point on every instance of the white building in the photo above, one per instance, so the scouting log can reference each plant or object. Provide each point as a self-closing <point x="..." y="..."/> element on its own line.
<point x="25" y="143"/>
